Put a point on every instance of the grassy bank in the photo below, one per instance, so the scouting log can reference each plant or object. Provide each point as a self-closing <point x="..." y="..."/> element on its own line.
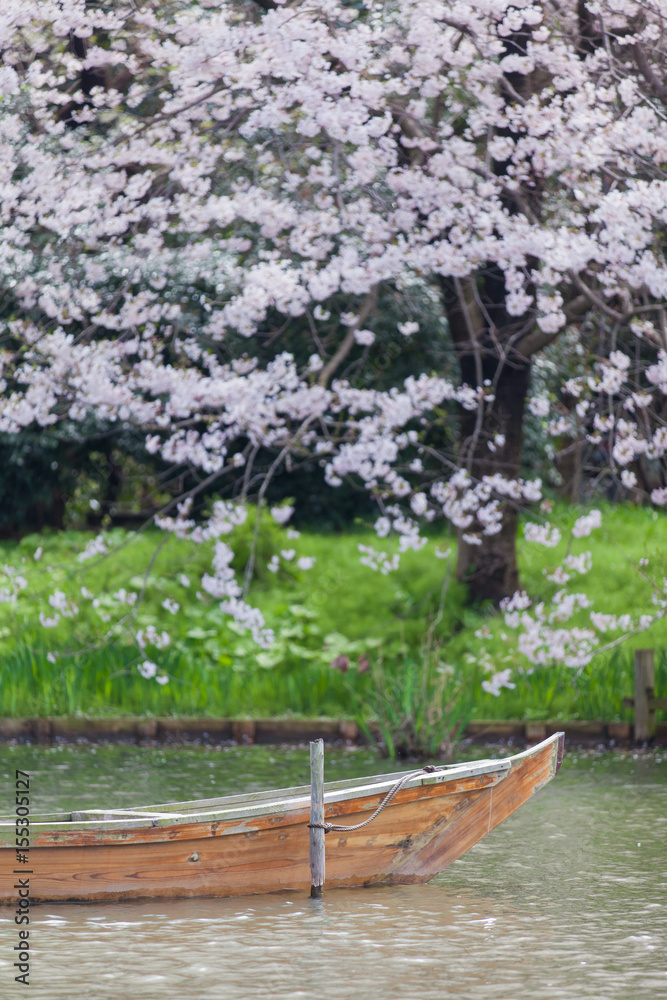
<point x="87" y="662"/>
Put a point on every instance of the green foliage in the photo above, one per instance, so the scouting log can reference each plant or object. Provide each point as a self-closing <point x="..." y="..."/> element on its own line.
<point x="105" y="682"/>
<point x="264" y="541"/>
<point x="75" y="475"/>
<point x="338" y="608"/>
<point x="420" y="703"/>
<point x="558" y="692"/>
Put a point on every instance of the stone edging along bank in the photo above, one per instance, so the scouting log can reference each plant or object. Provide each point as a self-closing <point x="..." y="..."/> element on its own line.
<point x="245" y="731"/>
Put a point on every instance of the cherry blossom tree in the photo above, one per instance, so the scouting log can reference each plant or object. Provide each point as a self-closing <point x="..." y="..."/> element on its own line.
<point x="181" y="180"/>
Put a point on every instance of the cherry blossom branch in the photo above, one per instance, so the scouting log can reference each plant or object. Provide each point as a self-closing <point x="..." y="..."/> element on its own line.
<point x="250" y="565"/>
<point x="367" y="308"/>
<point x="535" y="341"/>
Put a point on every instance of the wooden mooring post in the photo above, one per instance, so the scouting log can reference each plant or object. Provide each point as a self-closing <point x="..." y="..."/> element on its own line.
<point x="644" y="701"/>
<point x="316" y="817"/>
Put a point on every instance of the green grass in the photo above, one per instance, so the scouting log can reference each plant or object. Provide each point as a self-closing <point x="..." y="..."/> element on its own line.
<point x="338" y="607"/>
<point x="107" y="684"/>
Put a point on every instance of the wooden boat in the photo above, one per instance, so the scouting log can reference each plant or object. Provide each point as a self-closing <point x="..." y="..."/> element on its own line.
<point x="244" y="844"/>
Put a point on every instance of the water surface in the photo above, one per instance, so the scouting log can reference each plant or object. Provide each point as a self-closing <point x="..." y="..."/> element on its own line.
<point x="566" y="899"/>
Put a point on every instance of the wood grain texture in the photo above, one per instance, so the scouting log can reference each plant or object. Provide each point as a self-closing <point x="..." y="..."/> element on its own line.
<point x="317" y="849"/>
<point x="423" y="830"/>
<point x="468" y="825"/>
<point x="644" y="695"/>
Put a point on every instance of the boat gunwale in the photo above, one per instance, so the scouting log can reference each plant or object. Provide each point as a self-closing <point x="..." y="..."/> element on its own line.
<point x="129" y="819"/>
<point x="259" y="804"/>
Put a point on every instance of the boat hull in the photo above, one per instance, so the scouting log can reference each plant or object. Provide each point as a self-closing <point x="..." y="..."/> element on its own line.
<point x="421" y="831"/>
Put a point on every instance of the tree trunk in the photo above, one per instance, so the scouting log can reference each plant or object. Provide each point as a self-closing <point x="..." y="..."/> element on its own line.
<point x="485" y="337"/>
<point x="490" y="569"/>
<point x="568" y="462"/>
<point x="485" y="355"/>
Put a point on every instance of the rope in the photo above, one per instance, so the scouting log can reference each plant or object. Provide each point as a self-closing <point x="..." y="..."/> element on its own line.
<point x="329" y="827"/>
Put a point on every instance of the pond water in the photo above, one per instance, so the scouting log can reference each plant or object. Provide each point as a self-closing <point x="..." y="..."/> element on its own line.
<point x="566" y="899"/>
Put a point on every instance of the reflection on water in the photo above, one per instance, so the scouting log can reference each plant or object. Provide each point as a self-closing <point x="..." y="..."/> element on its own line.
<point x="566" y="899"/>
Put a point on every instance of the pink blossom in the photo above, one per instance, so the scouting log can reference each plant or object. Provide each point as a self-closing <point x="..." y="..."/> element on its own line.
<point x="584" y="525"/>
<point x="500" y="680"/>
<point x="281" y="514"/>
<point x="542" y="534"/>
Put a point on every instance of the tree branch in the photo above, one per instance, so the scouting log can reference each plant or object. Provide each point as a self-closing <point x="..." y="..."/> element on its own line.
<point x="593" y="298"/>
<point x="646" y="70"/>
<point x="538" y="339"/>
<point x="367" y="307"/>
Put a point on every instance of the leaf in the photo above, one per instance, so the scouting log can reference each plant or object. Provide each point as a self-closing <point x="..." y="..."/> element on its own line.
<point x="301" y="611"/>
<point x="267" y="659"/>
<point x="291" y="632"/>
<point x="302" y="652"/>
<point x="137" y="582"/>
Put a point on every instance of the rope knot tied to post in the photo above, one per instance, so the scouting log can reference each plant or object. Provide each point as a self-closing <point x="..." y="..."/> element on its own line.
<point x="336" y="828"/>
